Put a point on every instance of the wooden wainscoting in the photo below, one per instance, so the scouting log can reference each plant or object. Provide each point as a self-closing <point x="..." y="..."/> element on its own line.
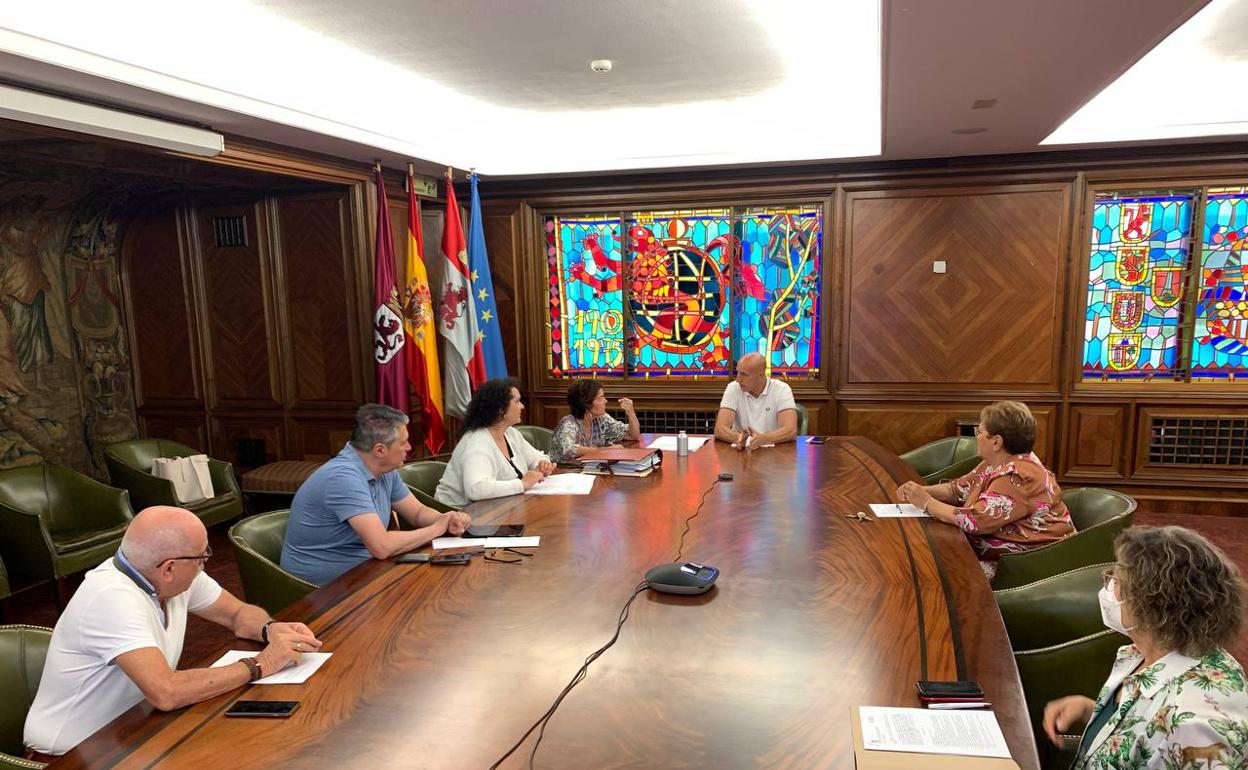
<point x="900" y="427"/>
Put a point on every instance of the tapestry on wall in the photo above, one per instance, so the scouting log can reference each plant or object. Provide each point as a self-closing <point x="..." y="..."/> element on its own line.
<point x="64" y="368"/>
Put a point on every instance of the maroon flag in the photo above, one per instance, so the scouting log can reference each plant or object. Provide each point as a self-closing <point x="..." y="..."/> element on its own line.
<point x="388" y="337"/>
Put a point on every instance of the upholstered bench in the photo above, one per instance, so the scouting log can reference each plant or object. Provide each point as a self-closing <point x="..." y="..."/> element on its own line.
<point x="276" y="482"/>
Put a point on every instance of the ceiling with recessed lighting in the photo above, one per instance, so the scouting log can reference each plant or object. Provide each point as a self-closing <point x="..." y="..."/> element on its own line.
<point x="507" y="88"/>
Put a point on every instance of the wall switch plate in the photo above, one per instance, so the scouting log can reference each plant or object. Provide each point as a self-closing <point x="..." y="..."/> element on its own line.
<point x="938" y="266"/>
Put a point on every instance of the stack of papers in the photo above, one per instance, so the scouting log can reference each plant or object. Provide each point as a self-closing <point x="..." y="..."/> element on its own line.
<point x="897" y="511"/>
<point x="640" y="467"/>
<point x="308" y="663"/>
<point x="563" y="484"/>
<point x="668" y="443"/>
<point x="528" y="541"/>
<point x="918" y="731"/>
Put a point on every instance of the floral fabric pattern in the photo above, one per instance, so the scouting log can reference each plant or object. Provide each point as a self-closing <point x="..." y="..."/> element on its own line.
<point x="605" y="430"/>
<point x="1010" y="508"/>
<point x="1180" y="713"/>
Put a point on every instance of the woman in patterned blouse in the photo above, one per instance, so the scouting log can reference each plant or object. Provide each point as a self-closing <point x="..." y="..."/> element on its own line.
<point x="1010" y="503"/>
<point x="589" y="425"/>
<point x="1175" y="698"/>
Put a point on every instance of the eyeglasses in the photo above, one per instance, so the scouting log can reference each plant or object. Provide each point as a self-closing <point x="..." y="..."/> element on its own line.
<point x="489" y="557"/>
<point x="204" y="557"/>
<point x="1108" y="579"/>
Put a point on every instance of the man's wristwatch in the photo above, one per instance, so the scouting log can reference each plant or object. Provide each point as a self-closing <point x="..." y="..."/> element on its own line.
<point x="253" y="666"/>
<point x="264" y="631"/>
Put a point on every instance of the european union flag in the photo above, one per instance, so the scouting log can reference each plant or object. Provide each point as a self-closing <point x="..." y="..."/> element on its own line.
<point x="483" y="289"/>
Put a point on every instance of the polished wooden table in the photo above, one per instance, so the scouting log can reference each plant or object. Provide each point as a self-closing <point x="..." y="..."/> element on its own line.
<point x="446" y="666"/>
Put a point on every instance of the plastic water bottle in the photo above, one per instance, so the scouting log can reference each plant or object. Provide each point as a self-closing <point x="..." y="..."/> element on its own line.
<point x="682" y="444"/>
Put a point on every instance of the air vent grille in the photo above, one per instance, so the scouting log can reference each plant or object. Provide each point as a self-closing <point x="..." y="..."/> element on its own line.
<point x="230" y="232"/>
<point x="1218" y="442"/>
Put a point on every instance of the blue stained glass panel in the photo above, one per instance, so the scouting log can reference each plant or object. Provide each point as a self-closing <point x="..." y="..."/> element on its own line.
<point x="585" y="300"/>
<point x="1137" y="272"/>
<point x="1220" y="335"/>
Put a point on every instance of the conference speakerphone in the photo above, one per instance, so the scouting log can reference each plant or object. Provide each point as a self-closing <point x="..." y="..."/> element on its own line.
<point x="687" y="578"/>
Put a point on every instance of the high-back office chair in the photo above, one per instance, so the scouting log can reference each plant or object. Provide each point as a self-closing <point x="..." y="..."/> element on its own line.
<point x="56" y="522"/>
<point x="130" y="467"/>
<point x="946" y="458"/>
<point x="1061" y="647"/>
<point x="1098" y="514"/>
<point x="538" y="436"/>
<point x="257" y="542"/>
<point x="803" y="420"/>
<point x="23" y="650"/>
<point x="422" y="478"/>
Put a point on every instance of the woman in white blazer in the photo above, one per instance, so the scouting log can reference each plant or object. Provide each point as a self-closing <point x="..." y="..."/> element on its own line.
<point x="492" y="459"/>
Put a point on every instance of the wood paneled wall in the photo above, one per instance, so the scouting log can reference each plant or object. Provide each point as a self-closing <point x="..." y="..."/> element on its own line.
<point x="261" y="340"/>
<point x="911" y="352"/>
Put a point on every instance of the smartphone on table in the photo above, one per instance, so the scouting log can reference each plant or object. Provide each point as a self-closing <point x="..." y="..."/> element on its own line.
<point x="262" y="708"/>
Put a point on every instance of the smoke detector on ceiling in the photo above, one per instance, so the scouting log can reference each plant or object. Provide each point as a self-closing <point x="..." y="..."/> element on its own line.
<point x="601" y="66"/>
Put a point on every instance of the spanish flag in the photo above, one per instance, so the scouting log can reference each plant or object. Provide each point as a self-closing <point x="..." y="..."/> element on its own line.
<point x="418" y="326"/>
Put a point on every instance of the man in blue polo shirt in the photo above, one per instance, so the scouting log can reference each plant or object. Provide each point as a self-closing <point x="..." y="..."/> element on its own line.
<point x="340" y="515"/>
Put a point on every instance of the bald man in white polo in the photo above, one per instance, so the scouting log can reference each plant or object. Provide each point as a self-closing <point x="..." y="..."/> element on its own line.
<point x="756" y="409"/>
<point x="120" y="637"/>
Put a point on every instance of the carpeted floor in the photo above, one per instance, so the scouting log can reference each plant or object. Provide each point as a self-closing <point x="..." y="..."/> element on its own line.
<point x="203" y="639"/>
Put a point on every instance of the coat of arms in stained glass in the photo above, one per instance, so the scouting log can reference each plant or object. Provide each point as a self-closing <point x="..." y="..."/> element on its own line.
<point x="1140" y="251"/>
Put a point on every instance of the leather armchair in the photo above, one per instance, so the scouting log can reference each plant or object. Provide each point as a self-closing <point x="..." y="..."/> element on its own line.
<point x="1061" y="647"/>
<point x="57" y="522"/>
<point x="257" y="542"/>
<point x="537" y="436"/>
<point x="22" y="652"/>
<point x="946" y="458"/>
<point x="422" y="478"/>
<point x="130" y="467"/>
<point x="803" y="420"/>
<point x="1099" y="515"/>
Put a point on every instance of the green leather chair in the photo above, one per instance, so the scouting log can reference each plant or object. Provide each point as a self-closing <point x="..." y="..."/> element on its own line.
<point x="130" y="467"/>
<point x="803" y="420"/>
<point x="57" y="522"/>
<point x="946" y="458"/>
<point x="1099" y="515"/>
<point x="537" y="436"/>
<point x="257" y="542"/>
<point x="422" y="478"/>
<point x="22" y="652"/>
<point x="1060" y="645"/>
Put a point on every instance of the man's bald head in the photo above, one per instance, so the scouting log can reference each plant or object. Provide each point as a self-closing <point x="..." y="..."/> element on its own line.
<point x="160" y="533"/>
<point x="752" y="363"/>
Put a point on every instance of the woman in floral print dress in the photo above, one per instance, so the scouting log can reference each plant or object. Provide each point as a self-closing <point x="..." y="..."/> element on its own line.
<point x="1010" y="503"/>
<point x="1175" y="699"/>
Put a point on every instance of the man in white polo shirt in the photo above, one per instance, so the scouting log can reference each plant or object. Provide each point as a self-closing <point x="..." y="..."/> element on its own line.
<point x="121" y="634"/>
<point x="756" y="409"/>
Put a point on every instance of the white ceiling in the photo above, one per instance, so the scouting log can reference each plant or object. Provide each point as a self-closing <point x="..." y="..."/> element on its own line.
<point x="519" y="71"/>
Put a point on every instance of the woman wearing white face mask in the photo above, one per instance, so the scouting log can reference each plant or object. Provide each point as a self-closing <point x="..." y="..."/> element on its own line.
<point x="1175" y="699"/>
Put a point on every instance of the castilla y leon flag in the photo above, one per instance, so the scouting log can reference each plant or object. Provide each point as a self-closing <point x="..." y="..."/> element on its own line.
<point x="387" y="323"/>
<point x="422" y="338"/>
<point x="457" y="315"/>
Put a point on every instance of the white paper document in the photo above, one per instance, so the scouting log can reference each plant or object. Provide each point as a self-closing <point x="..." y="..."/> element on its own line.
<point x="966" y="733"/>
<point x="531" y="541"/>
<point x="668" y="443"/>
<point x="309" y="662"/>
<point x="563" y="484"/>
<point x="897" y="511"/>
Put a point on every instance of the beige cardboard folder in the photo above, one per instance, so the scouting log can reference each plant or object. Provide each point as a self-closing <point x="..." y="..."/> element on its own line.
<point x="901" y="760"/>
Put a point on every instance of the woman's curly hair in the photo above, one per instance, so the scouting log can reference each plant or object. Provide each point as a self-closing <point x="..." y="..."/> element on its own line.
<point x="581" y="395"/>
<point x="489" y="403"/>
<point x="1180" y="588"/>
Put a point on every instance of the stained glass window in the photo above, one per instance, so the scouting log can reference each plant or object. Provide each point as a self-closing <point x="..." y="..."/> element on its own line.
<point x="1220" y="335"/>
<point x="1138" y="268"/>
<point x="684" y="293"/>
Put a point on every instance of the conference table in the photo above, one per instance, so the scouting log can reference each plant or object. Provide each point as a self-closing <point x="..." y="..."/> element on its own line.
<point x="813" y="613"/>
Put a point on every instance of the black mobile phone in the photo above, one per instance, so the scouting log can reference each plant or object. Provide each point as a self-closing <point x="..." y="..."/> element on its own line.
<point x="262" y="708"/>
<point x="412" y="558"/>
<point x="454" y="558"/>
<point x="817" y="440"/>
<point x="957" y="689"/>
